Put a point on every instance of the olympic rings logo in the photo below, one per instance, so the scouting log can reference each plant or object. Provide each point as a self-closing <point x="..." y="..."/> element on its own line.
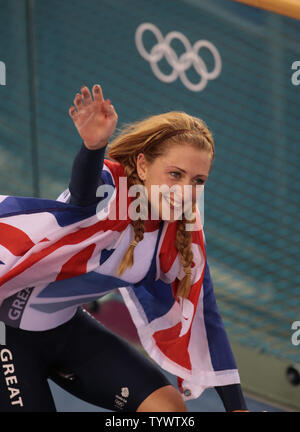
<point x="179" y="64"/>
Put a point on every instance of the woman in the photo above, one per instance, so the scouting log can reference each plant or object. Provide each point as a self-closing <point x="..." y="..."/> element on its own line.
<point x="157" y="263"/>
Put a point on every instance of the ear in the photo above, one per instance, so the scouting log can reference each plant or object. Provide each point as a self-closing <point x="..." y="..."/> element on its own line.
<point x="141" y="166"/>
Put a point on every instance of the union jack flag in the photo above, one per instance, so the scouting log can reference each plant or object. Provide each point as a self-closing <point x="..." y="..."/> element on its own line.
<point x="69" y="255"/>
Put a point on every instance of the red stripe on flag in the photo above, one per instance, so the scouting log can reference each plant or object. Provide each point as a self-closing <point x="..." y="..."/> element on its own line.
<point x="168" y="252"/>
<point x="168" y="340"/>
<point x="116" y="169"/>
<point x="14" y="239"/>
<point x="69" y="239"/>
<point x="173" y="346"/>
<point x="76" y="265"/>
<point x="179" y="383"/>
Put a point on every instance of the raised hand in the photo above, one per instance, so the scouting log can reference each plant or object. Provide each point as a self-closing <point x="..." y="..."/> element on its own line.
<point x="95" y="119"/>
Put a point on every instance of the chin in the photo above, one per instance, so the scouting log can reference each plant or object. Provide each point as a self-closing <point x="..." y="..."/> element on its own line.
<point x="171" y="218"/>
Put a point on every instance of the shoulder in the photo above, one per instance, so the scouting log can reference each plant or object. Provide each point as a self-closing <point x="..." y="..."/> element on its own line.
<point x="113" y="171"/>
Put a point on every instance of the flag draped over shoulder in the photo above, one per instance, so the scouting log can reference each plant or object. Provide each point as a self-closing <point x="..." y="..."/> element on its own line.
<point x="47" y="242"/>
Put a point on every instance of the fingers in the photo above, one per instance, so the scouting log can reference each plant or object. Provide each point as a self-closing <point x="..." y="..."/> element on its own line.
<point x="86" y="95"/>
<point x="97" y="93"/>
<point x="73" y="112"/>
<point x="108" y="108"/>
<point x="78" y="101"/>
<point x="84" y="99"/>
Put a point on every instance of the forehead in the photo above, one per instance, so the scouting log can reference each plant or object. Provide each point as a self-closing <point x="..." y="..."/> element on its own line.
<point x="188" y="158"/>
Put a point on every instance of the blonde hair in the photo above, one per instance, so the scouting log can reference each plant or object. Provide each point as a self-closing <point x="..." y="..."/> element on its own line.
<point x="152" y="137"/>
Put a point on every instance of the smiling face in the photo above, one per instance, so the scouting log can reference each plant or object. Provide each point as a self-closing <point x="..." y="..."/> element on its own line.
<point x="179" y="166"/>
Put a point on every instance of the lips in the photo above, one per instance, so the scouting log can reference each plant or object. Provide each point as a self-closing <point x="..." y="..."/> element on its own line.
<point x="176" y="205"/>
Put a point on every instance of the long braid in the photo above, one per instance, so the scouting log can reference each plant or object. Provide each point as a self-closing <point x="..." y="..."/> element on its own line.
<point x="138" y="225"/>
<point x="183" y="244"/>
<point x="183" y="237"/>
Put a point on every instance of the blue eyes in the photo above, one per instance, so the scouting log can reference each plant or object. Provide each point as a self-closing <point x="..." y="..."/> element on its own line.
<point x="177" y="175"/>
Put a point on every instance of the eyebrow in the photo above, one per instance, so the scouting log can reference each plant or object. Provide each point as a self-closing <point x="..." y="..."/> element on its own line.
<point x="182" y="170"/>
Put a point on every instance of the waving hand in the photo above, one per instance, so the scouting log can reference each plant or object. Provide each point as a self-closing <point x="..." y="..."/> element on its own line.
<point x="94" y="118"/>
